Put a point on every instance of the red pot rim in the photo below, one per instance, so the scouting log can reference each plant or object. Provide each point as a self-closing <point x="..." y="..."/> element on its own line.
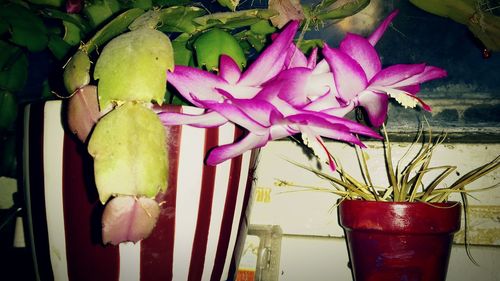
<point x="400" y="217"/>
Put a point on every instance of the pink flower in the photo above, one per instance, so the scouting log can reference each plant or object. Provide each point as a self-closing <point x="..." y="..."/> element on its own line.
<point x="284" y="93"/>
<point x="361" y="81"/>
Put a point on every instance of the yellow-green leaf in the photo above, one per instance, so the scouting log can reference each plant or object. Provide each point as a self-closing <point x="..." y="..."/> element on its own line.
<point x="130" y="157"/>
<point x="212" y="44"/>
<point x="76" y="72"/>
<point x="133" y="66"/>
<point x="72" y="33"/>
<point x="230" y="4"/>
<point x="98" y="12"/>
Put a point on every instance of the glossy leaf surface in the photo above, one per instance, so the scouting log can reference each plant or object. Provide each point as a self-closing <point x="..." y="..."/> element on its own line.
<point x="214" y="43"/>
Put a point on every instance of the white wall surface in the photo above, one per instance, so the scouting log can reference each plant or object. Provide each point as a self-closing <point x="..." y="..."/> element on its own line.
<point x="313" y="247"/>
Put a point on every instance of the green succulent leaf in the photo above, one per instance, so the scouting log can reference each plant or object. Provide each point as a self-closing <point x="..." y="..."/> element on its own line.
<point x="232" y="20"/>
<point x="53" y="3"/>
<point x="118" y="25"/>
<point x="133" y="66"/>
<point x="262" y="27"/>
<point x="168" y="3"/>
<point x="150" y="19"/>
<point x="142" y="4"/>
<point x="230" y="4"/>
<point x="484" y="24"/>
<point x="459" y="11"/>
<point x="72" y="33"/>
<point x="76" y="71"/>
<point x="8" y="110"/>
<point x="256" y="41"/>
<point x="13" y="76"/>
<point x="307" y="45"/>
<point x="180" y="19"/>
<point x="347" y="9"/>
<point x="212" y="44"/>
<point x="58" y="47"/>
<point x="24" y="36"/>
<point x="4" y="27"/>
<point x="98" y="11"/>
<point x="130" y="157"/>
<point x="9" y="54"/>
<point x="75" y="19"/>
<point x="182" y="54"/>
<point x="26" y="29"/>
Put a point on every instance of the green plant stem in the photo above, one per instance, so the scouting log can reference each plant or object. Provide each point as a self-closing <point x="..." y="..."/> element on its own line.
<point x="366" y="172"/>
<point x="390" y="169"/>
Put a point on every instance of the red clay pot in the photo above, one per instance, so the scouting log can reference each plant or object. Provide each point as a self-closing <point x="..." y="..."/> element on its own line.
<point x="399" y="241"/>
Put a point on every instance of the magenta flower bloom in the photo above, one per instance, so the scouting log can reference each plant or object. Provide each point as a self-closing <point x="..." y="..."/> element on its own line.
<point x="284" y="93"/>
<point x="201" y="87"/>
<point x="250" y="99"/>
<point x="265" y="122"/>
<point x="361" y="81"/>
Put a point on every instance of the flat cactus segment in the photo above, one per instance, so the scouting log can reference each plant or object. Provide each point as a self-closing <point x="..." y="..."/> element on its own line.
<point x="130" y="156"/>
<point x="133" y="66"/>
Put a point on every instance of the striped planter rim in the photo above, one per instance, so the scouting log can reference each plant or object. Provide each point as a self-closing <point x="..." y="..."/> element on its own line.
<point x="202" y="224"/>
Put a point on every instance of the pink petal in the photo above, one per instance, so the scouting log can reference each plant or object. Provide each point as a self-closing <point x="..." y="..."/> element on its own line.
<point x="353" y="126"/>
<point x="280" y="131"/>
<point x="314" y="140"/>
<point x="322" y="67"/>
<point x="422" y="103"/>
<point x="228" y="151"/>
<point x="324" y="128"/>
<point x="229" y="69"/>
<point x="376" y="105"/>
<point x="295" y="86"/>
<point x="258" y="110"/>
<point x="271" y="61"/>
<point x="295" y="57"/>
<point x="377" y="34"/>
<point x="429" y="73"/>
<point x="127" y="218"/>
<point x="206" y="120"/>
<point x="311" y="61"/>
<point x="192" y="82"/>
<point x="74" y="6"/>
<point x="394" y="74"/>
<point x="339" y="111"/>
<point x="363" y="52"/>
<point x="83" y="111"/>
<point x="236" y="115"/>
<point x="323" y="102"/>
<point x="285" y="108"/>
<point x="350" y="78"/>
<point x="412" y="89"/>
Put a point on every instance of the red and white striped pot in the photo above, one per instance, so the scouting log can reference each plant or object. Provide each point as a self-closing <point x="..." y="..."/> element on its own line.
<point x="201" y="225"/>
